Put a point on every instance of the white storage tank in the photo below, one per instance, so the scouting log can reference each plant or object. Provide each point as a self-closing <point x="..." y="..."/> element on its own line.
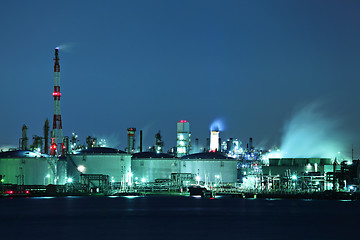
<point x="26" y="168"/>
<point x="210" y="167"/>
<point x="100" y="160"/>
<point x="149" y="166"/>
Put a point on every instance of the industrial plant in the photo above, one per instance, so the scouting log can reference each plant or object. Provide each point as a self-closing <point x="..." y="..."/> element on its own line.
<point x="62" y="165"/>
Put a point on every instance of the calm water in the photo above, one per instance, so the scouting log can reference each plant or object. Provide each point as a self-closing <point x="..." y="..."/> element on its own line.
<point x="177" y="218"/>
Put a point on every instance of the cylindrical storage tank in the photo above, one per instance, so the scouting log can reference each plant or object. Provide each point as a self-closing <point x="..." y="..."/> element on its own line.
<point x="61" y="171"/>
<point x="106" y="161"/>
<point x="150" y="166"/>
<point x="211" y="167"/>
<point x="26" y="168"/>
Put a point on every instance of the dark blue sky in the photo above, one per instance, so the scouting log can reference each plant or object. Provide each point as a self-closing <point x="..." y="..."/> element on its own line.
<point x="148" y="64"/>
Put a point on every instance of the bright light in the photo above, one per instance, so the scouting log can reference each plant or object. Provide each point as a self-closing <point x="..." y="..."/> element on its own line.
<point x="217" y="176"/>
<point x="81" y="168"/>
<point x="69" y="180"/>
<point x="197" y="178"/>
<point x="214" y="140"/>
<point x="130" y="174"/>
<point x="131" y="197"/>
<point x="294" y="177"/>
<point x="143" y="180"/>
<point x="113" y="181"/>
<point x="181" y="150"/>
<point x="48" y="176"/>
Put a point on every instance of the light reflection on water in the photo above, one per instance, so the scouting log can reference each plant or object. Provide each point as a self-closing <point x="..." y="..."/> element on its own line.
<point x="131" y="197"/>
<point x="42" y="197"/>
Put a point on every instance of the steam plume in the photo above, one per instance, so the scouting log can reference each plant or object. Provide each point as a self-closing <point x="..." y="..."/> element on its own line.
<point x="312" y="133"/>
<point x="217" y="124"/>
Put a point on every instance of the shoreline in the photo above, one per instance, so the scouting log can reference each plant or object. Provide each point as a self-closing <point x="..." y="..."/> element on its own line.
<point x="329" y="195"/>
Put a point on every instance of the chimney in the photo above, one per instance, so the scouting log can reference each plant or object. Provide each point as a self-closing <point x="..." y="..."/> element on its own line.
<point x="141" y="140"/>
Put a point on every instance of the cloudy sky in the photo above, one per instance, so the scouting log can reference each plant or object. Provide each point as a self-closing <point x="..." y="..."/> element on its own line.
<point x="148" y="64"/>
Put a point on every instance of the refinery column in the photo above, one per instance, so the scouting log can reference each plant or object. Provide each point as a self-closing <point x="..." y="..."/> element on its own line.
<point x="183" y="143"/>
<point x="131" y="140"/>
<point x="57" y="144"/>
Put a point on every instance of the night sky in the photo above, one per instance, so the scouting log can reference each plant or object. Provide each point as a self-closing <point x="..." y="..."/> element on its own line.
<point x="148" y="64"/>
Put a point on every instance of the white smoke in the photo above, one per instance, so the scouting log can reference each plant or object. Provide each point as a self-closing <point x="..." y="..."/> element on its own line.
<point x="312" y="133"/>
<point x="111" y="140"/>
<point x="67" y="47"/>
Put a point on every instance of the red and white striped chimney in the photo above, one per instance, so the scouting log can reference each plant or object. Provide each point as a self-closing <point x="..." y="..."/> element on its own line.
<point x="57" y="142"/>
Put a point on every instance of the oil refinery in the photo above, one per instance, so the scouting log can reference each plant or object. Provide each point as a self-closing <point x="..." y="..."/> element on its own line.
<point x="61" y="164"/>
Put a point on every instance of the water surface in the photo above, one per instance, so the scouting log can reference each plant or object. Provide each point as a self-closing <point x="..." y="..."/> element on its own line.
<point x="157" y="217"/>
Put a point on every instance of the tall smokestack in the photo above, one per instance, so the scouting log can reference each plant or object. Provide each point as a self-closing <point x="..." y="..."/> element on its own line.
<point x="214" y="140"/>
<point x="24" y="139"/>
<point x="131" y="140"/>
<point x="46" y="136"/>
<point x="197" y="146"/>
<point x="141" y="140"/>
<point x="251" y="144"/>
<point x="57" y="141"/>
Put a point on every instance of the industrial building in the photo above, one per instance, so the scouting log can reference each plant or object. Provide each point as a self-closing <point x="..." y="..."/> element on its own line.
<point x="281" y="166"/>
<point x="298" y="173"/>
